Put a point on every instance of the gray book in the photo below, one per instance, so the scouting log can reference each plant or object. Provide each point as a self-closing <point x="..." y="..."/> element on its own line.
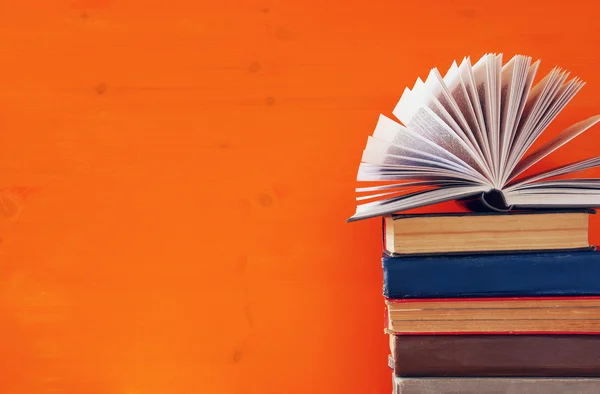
<point x="496" y="385"/>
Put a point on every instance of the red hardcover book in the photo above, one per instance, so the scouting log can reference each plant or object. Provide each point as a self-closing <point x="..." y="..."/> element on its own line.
<point x="517" y="315"/>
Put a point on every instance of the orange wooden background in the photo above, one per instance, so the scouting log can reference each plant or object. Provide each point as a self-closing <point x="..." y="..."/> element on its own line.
<point x="175" y="178"/>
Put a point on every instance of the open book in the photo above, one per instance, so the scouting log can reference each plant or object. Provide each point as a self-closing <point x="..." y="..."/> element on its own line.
<point x="468" y="134"/>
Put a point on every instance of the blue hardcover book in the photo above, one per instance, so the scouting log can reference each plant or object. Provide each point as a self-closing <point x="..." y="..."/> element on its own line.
<point x="560" y="273"/>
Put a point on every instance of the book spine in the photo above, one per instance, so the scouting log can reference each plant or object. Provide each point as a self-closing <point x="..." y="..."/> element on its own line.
<point x="565" y="274"/>
<point x="496" y="355"/>
<point x="492" y="201"/>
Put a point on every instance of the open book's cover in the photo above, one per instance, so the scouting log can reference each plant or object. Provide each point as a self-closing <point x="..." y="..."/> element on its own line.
<point x="589" y="211"/>
<point x="493" y="201"/>
<point x="564" y="273"/>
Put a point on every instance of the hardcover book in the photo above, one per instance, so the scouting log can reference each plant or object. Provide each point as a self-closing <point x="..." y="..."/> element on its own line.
<point x="469" y="135"/>
<point x="495" y="355"/>
<point x="477" y="385"/>
<point x="560" y="273"/>
<point x="536" y="315"/>
<point x="445" y="233"/>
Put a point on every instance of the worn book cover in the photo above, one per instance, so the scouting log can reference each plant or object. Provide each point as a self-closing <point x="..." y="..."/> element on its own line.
<point x="479" y="385"/>
<point x="486" y="232"/>
<point x="517" y="315"/>
<point x="495" y="355"/>
<point x="560" y="273"/>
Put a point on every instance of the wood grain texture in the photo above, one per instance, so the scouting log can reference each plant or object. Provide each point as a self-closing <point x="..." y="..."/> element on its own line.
<point x="136" y="134"/>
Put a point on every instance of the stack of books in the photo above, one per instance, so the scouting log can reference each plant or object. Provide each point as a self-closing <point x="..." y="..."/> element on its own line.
<point x="493" y="302"/>
<point x="503" y="297"/>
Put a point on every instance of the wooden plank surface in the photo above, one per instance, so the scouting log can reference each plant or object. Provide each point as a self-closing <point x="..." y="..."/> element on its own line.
<point x="173" y="173"/>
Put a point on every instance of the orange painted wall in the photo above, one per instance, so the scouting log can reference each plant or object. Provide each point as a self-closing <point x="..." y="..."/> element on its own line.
<point x="175" y="178"/>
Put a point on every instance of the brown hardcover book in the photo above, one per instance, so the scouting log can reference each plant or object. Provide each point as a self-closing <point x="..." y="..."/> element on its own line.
<point x="495" y="355"/>
<point x="486" y="232"/>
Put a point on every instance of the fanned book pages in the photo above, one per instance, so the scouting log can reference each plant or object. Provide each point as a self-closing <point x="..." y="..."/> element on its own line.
<point x="467" y="135"/>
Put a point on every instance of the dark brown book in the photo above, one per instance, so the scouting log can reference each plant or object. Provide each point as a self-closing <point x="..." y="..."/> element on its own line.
<point x="495" y="355"/>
